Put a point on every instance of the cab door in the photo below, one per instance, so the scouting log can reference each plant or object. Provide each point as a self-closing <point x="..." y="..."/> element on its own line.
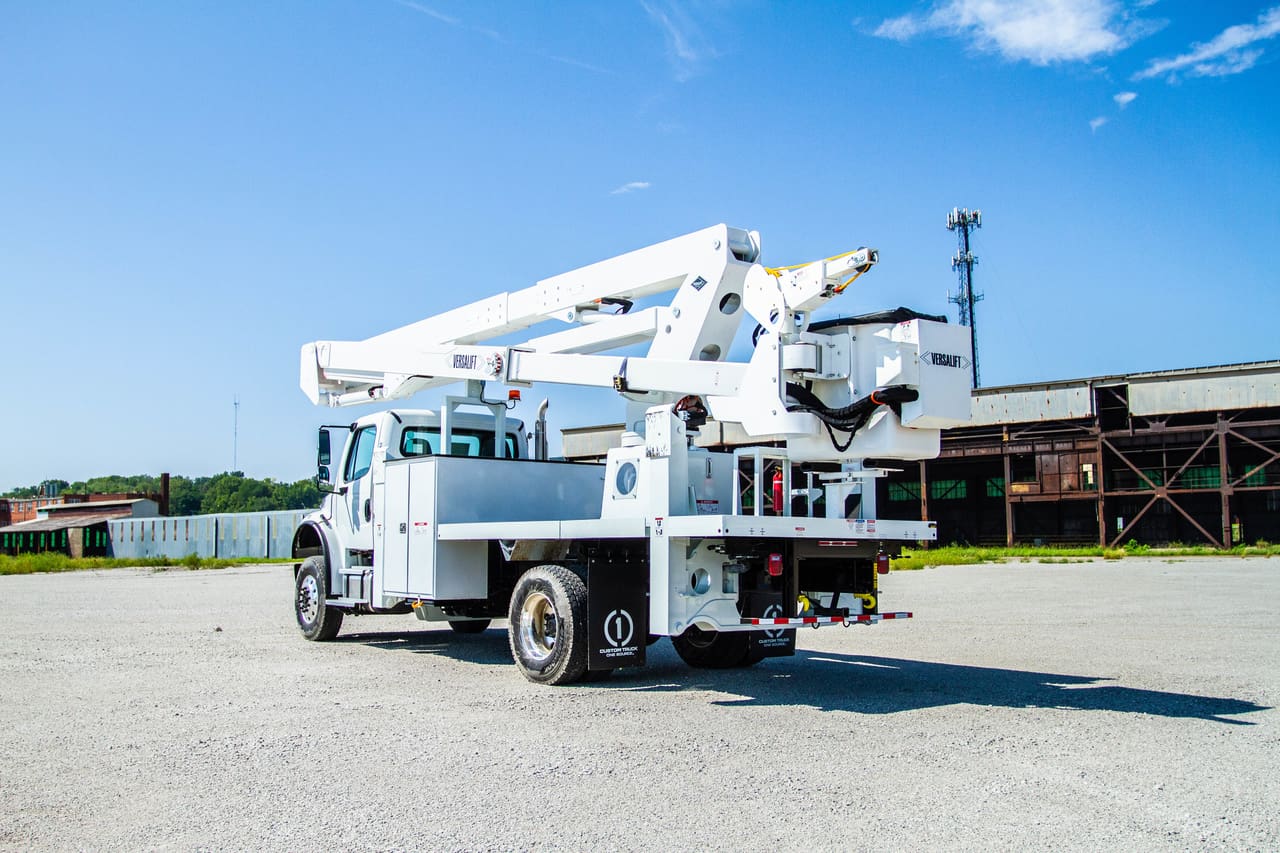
<point x="357" y="501"/>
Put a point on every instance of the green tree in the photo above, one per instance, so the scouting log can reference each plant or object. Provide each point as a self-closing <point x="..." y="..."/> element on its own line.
<point x="185" y="495"/>
<point x="300" y="495"/>
<point x="234" y="492"/>
<point x="230" y="491"/>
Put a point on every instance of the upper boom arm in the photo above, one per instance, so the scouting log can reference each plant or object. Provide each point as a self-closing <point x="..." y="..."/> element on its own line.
<point x="717" y="282"/>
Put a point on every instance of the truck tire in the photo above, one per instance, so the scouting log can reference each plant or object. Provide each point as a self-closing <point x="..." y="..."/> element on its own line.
<point x="548" y="618"/>
<point x="317" y="619"/>
<point x="714" y="649"/>
<point x="470" y="626"/>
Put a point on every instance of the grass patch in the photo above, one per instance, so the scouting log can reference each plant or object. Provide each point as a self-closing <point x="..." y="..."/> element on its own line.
<point x="28" y="564"/>
<point x="956" y="555"/>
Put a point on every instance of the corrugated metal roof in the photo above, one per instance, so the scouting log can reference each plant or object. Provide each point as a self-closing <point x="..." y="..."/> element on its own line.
<point x="63" y="521"/>
<point x="92" y="506"/>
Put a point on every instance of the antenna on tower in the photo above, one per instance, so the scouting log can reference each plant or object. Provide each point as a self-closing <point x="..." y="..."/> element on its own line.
<point x="962" y="220"/>
<point x="235" y="434"/>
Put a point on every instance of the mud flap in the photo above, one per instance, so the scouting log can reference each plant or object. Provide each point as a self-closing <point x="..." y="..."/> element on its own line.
<point x="617" y="613"/>
<point x="776" y="642"/>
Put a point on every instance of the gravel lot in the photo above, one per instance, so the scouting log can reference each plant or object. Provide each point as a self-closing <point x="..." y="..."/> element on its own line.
<point x="1127" y="705"/>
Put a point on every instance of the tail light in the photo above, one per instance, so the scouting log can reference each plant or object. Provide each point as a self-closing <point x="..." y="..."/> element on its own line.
<point x="775" y="565"/>
<point x="882" y="563"/>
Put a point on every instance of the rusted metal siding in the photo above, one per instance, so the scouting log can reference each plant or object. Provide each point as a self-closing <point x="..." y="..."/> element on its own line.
<point x="1031" y="405"/>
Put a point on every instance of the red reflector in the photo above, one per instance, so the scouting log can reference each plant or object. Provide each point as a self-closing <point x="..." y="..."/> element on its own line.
<point x="775" y="565"/>
<point x="882" y="564"/>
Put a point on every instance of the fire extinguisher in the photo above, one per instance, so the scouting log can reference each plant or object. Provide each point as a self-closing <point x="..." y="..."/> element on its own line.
<point x="777" y="492"/>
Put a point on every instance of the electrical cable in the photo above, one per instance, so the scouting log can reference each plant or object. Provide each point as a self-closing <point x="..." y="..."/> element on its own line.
<point x="624" y="305"/>
<point x="852" y="417"/>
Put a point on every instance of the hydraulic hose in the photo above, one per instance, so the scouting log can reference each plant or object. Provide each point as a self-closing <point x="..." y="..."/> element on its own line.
<point x="854" y="416"/>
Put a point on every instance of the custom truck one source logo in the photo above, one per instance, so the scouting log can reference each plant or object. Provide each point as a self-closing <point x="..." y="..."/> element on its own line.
<point x="618" y="628"/>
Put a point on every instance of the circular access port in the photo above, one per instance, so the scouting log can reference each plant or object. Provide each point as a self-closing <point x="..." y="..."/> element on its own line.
<point x="625" y="482"/>
<point x="711" y="352"/>
<point x="700" y="582"/>
<point x="730" y="303"/>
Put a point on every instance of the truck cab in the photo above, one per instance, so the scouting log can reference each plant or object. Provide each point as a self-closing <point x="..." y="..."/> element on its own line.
<point x="352" y="461"/>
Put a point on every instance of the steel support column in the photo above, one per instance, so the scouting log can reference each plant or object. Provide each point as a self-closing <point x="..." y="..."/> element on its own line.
<point x="924" y="495"/>
<point x="1101" y="483"/>
<point x="1224" y="481"/>
<point x="1008" y="503"/>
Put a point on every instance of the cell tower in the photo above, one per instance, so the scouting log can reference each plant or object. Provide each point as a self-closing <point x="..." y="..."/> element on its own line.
<point x="235" y="434"/>
<point x="962" y="220"/>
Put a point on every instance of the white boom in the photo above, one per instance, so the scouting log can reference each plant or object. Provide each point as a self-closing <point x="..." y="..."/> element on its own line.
<point x="717" y="279"/>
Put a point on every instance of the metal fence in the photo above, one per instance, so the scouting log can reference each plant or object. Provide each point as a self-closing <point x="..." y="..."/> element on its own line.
<point x="229" y="535"/>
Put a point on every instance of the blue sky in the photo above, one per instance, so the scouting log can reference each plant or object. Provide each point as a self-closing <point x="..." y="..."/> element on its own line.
<point x="191" y="190"/>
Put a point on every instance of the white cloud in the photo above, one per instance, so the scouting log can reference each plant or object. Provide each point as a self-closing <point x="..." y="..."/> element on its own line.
<point x="687" y="48"/>
<point x="1124" y="99"/>
<point x="629" y="187"/>
<point x="1096" y="123"/>
<point x="901" y="29"/>
<point x="1229" y="52"/>
<point x="1037" y="31"/>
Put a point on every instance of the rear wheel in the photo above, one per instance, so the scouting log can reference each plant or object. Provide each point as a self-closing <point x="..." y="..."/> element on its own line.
<point x="548" y="619"/>
<point x="714" y="649"/>
<point x="316" y="618"/>
<point x="469" y="626"/>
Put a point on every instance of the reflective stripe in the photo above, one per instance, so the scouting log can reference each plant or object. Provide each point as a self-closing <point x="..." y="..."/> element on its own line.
<point x="827" y="620"/>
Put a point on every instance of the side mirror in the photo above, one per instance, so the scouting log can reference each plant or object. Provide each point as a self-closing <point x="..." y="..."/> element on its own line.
<point x="324" y="480"/>
<point x="323" y="456"/>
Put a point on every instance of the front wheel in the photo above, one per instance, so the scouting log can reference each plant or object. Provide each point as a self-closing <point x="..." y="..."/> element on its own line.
<point x="714" y="649"/>
<point x="316" y="618"/>
<point x="548" y="617"/>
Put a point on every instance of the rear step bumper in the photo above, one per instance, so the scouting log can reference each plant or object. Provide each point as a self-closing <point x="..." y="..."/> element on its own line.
<point x="817" y="621"/>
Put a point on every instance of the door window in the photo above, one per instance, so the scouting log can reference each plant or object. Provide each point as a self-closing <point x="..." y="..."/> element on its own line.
<point x="361" y="454"/>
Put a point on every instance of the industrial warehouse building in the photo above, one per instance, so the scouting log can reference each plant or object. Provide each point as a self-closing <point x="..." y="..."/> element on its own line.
<point x="1190" y="456"/>
<point x="79" y="528"/>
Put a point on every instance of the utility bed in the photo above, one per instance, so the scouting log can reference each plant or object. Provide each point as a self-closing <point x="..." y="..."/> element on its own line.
<point x="834" y="530"/>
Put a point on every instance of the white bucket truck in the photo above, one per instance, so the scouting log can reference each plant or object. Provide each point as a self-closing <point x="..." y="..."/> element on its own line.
<point x="449" y="515"/>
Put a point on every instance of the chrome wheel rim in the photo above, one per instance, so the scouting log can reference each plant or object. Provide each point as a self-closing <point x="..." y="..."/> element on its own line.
<point x="308" y="599"/>
<point x="539" y="626"/>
